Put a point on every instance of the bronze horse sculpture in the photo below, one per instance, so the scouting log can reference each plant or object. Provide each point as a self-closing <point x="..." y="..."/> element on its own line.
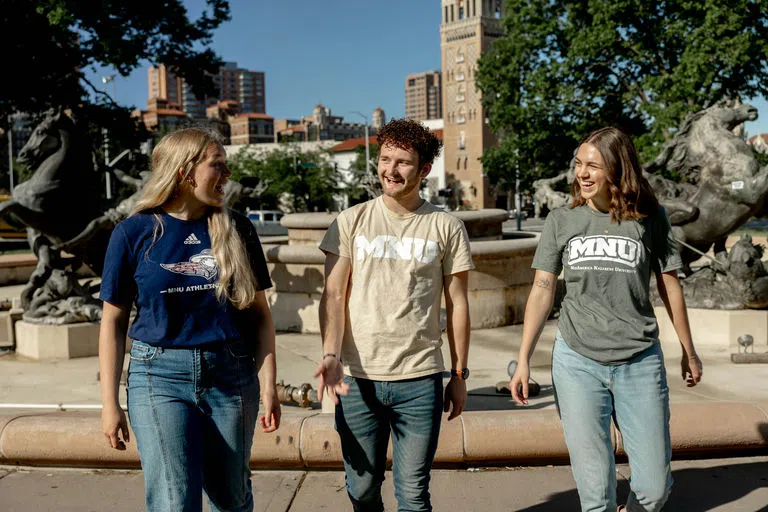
<point x="55" y="204"/>
<point x="722" y="183"/>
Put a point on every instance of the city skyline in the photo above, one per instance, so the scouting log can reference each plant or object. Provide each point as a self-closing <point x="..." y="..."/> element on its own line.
<point x="346" y="55"/>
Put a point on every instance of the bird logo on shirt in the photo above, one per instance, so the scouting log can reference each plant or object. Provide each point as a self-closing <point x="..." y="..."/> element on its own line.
<point x="202" y="264"/>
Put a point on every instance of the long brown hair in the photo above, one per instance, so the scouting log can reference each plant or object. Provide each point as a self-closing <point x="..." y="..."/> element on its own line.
<point x="632" y="197"/>
<point x="185" y="149"/>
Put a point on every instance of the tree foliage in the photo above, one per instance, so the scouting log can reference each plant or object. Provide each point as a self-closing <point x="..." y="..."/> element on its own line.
<point x="294" y="180"/>
<point x="49" y="45"/>
<point x="364" y="183"/>
<point x="565" y="68"/>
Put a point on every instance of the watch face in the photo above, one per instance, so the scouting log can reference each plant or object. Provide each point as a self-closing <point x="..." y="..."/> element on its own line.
<point x="465" y="373"/>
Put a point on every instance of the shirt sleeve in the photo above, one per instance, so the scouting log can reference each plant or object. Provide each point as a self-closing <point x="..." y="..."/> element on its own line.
<point x="255" y="255"/>
<point x="549" y="254"/>
<point x="458" y="255"/>
<point x="665" y="255"/>
<point x="118" y="284"/>
<point x="336" y="239"/>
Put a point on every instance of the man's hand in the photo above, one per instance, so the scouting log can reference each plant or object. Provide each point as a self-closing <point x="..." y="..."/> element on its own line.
<point x="455" y="397"/>
<point x="113" y="423"/>
<point x="691" y="369"/>
<point x="519" y="384"/>
<point x="271" y="419"/>
<point x="331" y="376"/>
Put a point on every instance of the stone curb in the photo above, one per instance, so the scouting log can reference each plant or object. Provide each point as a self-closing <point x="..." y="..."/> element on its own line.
<point x="516" y="437"/>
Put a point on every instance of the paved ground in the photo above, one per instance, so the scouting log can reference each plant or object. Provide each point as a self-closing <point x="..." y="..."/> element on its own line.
<point x="74" y="382"/>
<point x="723" y="485"/>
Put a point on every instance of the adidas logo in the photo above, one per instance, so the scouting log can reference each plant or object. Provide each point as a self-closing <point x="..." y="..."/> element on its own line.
<point x="191" y="239"/>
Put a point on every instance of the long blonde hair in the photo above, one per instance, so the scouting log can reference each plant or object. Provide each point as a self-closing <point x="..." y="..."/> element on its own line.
<point x="184" y="150"/>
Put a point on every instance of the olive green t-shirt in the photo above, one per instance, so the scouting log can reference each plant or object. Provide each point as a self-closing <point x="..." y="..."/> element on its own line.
<point x="398" y="262"/>
<point x="606" y="314"/>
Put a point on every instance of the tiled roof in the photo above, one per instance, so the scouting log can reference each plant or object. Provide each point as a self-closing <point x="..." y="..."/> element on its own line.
<point x="251" y="115"/>
<point x="351" y="144"/>
<point x="753" y="139"/>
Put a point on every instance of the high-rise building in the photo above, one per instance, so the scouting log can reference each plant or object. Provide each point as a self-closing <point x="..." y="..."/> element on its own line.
<point x="233" y="83"/>
<point x="467" y="30"/>
<point x="424" y="96"/>
<point x="164" y="85"/>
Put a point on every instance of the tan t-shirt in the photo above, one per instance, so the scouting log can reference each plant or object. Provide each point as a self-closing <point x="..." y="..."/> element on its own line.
<point x="398" y="262"/>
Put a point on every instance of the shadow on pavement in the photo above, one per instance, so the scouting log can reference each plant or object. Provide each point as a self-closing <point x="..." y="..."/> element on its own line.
<point x="694" y="490"/>
<point x="487" y="399"/>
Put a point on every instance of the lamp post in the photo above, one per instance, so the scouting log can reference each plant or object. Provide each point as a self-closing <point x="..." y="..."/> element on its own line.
<point x="106" y="80"/>
<point x="367" y="149"/>
<point x="10" y="150"/>
<point x="518" y="198"/>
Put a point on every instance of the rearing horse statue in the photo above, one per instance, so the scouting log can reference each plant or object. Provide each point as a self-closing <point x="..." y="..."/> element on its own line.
<point x="61" y="197"/>
<point x="722" y="182"/>
<point x="55" y="204"/>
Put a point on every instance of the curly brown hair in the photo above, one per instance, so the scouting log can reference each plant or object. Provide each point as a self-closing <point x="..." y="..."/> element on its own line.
<point x="632" y="197"/>
<point x="411" y="135"/>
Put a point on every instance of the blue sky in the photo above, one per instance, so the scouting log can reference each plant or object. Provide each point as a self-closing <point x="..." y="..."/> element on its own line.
<point x="346" y="54"/>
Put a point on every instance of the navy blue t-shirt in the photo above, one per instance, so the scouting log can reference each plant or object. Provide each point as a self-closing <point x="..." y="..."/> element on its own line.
<point x="173" y="280"/>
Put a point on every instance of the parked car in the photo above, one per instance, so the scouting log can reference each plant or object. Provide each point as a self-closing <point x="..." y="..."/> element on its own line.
<point x="267" y="222"/>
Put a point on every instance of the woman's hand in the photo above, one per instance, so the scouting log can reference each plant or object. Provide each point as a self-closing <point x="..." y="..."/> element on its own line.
<point x="691" y="368"/>
<point x="270" y="421"/>
<point x="519" y="384"/>
<point x="114" y="422"/>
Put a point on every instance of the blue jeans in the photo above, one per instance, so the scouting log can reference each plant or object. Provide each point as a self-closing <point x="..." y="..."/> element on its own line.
<point x="193" y="412"/>
<point x="635" y="394"/>
<point x="411" y="411"/>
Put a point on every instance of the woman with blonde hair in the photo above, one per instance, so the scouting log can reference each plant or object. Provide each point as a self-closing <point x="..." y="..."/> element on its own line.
<point x="607" y="360"/>
<point x="202" y="332"/>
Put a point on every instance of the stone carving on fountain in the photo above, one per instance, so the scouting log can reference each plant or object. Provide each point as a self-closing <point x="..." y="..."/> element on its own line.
<point x="738" y="280"/>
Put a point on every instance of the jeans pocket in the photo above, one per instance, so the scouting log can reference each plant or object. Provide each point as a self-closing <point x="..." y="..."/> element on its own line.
<point x="240" y="349"/>
<point x="141" y="351"/>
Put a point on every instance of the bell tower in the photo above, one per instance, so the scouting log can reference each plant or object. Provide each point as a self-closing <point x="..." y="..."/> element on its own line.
<point x="467" y="30"/>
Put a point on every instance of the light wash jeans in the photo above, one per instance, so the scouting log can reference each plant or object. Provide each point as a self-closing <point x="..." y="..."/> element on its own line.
<point x="193" y="412"/>
<point x="411" y="411"/>
<point x="635" y="393"/>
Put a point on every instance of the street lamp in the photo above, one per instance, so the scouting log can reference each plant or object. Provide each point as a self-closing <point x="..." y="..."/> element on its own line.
<point x="10" y="150"/>
<point x="106" y="80"/>
<point x="367" y="149"/>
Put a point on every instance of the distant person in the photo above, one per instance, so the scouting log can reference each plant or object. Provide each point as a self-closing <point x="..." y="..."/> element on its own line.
<point x="196" y="273"/>
<point x="388" y="263"/>
<point x="607" y="358"/>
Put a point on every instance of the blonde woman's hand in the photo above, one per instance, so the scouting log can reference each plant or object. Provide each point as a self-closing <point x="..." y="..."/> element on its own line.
<point x="691" y="368"/>
<point x="270" y="421"/>
<point x="519" y="384"/>
<point x="114" y="423"/>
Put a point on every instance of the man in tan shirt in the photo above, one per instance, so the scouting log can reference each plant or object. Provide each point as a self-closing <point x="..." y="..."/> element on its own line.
<point x="388" y="264"/>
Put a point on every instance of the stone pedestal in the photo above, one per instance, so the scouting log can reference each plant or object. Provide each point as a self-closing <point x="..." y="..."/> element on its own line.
<point x="719" y="327"/>
<point x="7" y="320"/>
<point x="38" y="341"/>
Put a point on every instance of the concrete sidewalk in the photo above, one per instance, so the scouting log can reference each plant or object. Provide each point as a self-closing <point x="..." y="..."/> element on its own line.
<point x="74" y="381"/>
<point x="723" y="485"/>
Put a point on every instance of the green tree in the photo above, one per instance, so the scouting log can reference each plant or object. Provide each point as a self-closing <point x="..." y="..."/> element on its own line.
<point x="565" y="68"/>
<point x="364" y="184"/>
<point x="50" y="45"/>
<point x="298" y="181"/>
